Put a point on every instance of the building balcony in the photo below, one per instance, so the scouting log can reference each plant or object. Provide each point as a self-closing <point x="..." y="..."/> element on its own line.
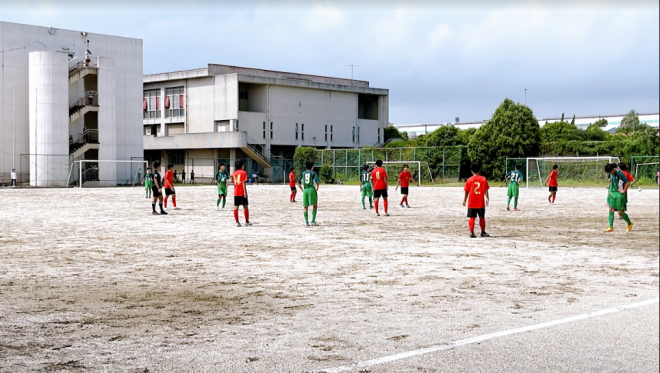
<point x="207" y="140"/>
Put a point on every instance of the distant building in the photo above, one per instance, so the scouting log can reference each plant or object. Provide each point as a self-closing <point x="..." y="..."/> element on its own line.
<point x="613" y="121"/>
<point x="68" y="95"/>
<point x="196" y="119"/>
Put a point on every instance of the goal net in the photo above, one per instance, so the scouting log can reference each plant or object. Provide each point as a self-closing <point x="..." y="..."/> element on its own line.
<point x="393" y="168"/>
<point x="106" y="173"/>
<point x="573" y="171"/>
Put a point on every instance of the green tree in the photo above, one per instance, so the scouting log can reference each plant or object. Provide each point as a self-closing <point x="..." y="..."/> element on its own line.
<point x="559" y="131"/>
<point x="595" y="132"/>
<point x="629" y="123"/>
<point x="464" y="136"/>
<point x="602" y="122"/>
<point x="391" y="132"/>
<point x="302" y="155"/>
<point x="444" y="136"/>
<point x="513" y="132"/>
<point x="325" y="173"/>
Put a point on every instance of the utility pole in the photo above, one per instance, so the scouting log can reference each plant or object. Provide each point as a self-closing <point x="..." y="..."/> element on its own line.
<point x="13" y="134"/>
<point x="525" y="96"/>
<point x="352" y="67"/>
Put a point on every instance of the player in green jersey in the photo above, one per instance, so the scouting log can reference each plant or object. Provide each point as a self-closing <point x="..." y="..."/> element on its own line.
<point x="514" y="178"/>
<point x="148" y="182"/>
<point x="221" y="180"/>
<point x="366" y="187"/>
<point x="616" y="199"/>
<point x="309" y="185"/>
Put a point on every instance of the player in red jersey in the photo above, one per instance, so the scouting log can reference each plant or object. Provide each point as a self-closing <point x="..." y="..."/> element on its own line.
<point x="379" y="177"/>
<point x="551" y="180"/>
<point x="404" y="180"/>
<point x="292" y="184"/>
<point x="476" y="189"/>
<point x="169" y="185"/>
<point x="240" y="193"/>
<point x="631" y="179"/>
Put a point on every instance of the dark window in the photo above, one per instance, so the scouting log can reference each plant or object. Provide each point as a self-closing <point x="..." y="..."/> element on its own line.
<point x="296" y="131"/>
<point x="264" y="128"/>
<point x="271" y="130"/>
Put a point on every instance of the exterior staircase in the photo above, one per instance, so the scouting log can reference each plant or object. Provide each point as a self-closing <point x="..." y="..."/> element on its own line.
<point x="253" y="152"/>
<point x="79" y="71"/>
<point x="84" y="142"/>
<point x="83" y="105"/>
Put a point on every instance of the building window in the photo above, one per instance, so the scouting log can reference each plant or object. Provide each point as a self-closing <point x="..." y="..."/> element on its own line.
<point x="302" y="131"/>
<point x="147" y="130"/>
<point x="177" y="157"/>
<point x="353" y="134"/>
<point x="379" y="135"/>
<point x="150" y="104"/>
<point x="222" y="126"/>
<point x="236" y="125"/>
<point x="296" y="131"/>
<point x="174" y="105"/>
<point x="357" y="134"/>
<point x="271" y="130"/>
<point x="332" y="136"/>
<point x="264" y="128"/>
<point x="243" y="95"/>
<point x="326" y="132"/>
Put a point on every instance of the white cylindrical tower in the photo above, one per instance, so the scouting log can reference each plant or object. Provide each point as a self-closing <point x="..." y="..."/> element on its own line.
<point x="107" y="122"/>
<point x="49" y="119"/>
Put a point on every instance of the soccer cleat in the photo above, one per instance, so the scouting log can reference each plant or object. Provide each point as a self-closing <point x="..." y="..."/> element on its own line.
<point x="508" y="208"/>
<point x="238" y="224"/>
<point x="408" y="206"/>
<point x="248" y="224"/>
<point x="155" y="213"/>
<point x="516" y="209"/>
<point x="377" y="214"/>
<point x="364" y="208"/>
<point x="610" y="229"/>
<point x="401" y="205"/>
<point x="484" y="234"/>
<point x="472" y="235"/>
<point x="217" y="208"/>
<point x="177" y="208"/>
<point x="386" y="214"/>
<point x="313" y="224"/>
<point x="630" y="227"/>
<point x="163" y="213"/>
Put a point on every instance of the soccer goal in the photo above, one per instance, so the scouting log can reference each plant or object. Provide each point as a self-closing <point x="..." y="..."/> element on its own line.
<point x="107" y="172"/>
<point x="415" y="168"/>
<point x="573" y="171"/>
<point x="646" y="170"/>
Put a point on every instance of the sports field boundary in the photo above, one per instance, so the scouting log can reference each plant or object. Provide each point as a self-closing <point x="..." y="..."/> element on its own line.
<point x="485" y="337"/>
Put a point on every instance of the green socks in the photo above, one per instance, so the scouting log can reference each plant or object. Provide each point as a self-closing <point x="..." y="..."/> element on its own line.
<point x="508" y="202"/>
<point x="363" y="203"/>
<point x="371" y="202"/>
<point x="224" y="202"/>
<point x="515" y="203"/>
<point x="314" y="216"/>
<point x="625" y="217"/>
<point x="306" y="219"/>
<point x="217" y="203"/>
<point x="612" y="219"/>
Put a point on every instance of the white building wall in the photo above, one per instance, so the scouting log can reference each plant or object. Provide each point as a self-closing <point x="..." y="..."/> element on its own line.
<point x="199" y="96"/>
<point x="225" y="97"/>
<point x="49" y="125"/>
<point x="108" y="128"/>
<point x="18" y="40"/>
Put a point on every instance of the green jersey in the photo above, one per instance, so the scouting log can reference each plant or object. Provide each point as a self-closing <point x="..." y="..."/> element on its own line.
<point x="617" y="182"/>
<point x="148" y="178"/>
<point x="365" y="177"/>
<point x="515" y="177"/>
<point x="309" y="179"/>
<point x="222" y="177"/>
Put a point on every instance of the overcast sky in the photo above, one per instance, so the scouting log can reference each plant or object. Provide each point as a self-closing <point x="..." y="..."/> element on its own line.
<point x="439" y="59"/>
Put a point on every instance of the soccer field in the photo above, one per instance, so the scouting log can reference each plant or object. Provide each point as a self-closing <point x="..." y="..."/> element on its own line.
<point x="90" y="280"/>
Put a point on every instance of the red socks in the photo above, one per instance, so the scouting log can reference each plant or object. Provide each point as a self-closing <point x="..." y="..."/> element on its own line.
<point x="403" y="200"/>
<point x="247" y="215"/>
<point x="553" y="198"/>
<point x="471" y="225"/>
<point x="236" y="215"/>
<point x="385" y="205"/>
<point x="376" y="204"/>
<point x="482" y="224"/>
<point x="174" y="201"/>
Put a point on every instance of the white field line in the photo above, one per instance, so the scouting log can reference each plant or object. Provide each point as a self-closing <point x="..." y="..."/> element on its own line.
<point x="485" y="337"/>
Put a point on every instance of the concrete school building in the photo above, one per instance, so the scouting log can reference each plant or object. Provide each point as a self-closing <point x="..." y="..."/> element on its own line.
<point x="65" y="96"/>
<point x="196" y="119"/>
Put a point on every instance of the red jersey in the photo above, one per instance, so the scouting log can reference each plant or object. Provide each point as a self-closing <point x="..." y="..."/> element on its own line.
<point x="628" y="176"/>
<point x="378" y="175"/>
<point x="405" y="177"/>
<point x="476" y="186"/>
<point x="240" y="177"/>
<point x="552" y="178"/>
<point x="169" y="179"/>
<point x="292" y="179"/>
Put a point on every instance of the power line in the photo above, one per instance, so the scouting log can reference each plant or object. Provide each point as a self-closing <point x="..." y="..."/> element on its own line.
<point x="162" y="59"/>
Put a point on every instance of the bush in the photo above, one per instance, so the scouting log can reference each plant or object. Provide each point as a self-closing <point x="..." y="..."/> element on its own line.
<point x="325" y="173"/>
<point x="302" y="155"/>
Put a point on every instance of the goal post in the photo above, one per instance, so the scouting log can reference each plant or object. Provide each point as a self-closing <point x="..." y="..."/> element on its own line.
<point x="575" y="171"/>
<point x="410" y="163"/>
<point x="646" y="170"/>
<point x="92" y="172"/>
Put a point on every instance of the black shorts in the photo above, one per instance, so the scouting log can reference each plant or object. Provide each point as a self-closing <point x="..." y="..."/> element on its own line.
<point x="552" y="189"/>
<point x="240" y="201"/>
<point x="404" y="190"/>
<point x="293" y="189"/>
<point x="155" y="192"/>
<point x="473" y="213"/>
<point x="380" y="193"/>
<point x="169" y="192"/>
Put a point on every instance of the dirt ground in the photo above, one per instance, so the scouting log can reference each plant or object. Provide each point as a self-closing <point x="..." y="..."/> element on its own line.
<point x="91" y="281"/>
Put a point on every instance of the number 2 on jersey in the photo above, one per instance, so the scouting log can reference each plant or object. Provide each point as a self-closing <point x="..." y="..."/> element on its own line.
<point x="476" y="187"/>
